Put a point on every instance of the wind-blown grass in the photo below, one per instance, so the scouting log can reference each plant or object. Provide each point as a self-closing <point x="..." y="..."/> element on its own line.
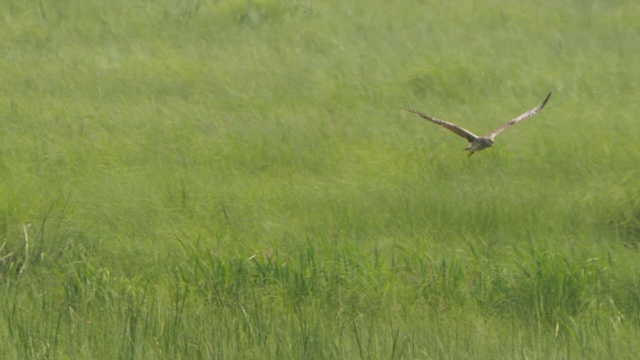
<point x="239" y="180"/>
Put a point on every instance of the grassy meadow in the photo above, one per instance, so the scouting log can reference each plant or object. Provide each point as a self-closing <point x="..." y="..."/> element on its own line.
<point x="194" y="179"/>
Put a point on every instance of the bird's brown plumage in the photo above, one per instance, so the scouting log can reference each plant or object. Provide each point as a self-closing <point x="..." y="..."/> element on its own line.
<point x="481" y="142"/>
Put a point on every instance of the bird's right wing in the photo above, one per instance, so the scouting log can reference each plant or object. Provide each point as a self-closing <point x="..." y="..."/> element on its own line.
<point x="452" y="127"/>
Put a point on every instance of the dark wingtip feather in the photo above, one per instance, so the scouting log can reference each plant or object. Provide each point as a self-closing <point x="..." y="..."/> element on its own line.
<point x="545" y="100"/>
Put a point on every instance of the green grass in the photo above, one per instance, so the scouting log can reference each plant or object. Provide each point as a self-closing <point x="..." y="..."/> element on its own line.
<point x="238" y="180"/>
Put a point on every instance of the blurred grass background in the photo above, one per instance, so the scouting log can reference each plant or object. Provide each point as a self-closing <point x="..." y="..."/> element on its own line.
<point x="238" y="179"/>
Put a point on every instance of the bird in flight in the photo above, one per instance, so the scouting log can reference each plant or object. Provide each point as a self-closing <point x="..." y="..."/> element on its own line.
<point x="481" y="142"/>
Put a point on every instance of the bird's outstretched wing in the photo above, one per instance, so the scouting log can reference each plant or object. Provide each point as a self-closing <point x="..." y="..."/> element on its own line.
<point x="452" y="127"/>
<point x="528" y="114"/>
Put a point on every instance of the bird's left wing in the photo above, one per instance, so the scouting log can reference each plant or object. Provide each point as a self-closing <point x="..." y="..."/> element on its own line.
<point x="526" y="115"/>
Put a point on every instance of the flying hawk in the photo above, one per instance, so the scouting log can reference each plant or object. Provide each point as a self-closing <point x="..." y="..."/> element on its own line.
<point x="481" y="142"/>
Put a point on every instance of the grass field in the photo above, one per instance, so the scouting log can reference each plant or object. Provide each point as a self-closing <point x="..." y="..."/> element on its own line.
<point x="192" y="179"/>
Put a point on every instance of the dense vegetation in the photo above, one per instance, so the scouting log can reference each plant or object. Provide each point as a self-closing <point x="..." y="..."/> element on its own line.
<point x="238" y="180"/>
